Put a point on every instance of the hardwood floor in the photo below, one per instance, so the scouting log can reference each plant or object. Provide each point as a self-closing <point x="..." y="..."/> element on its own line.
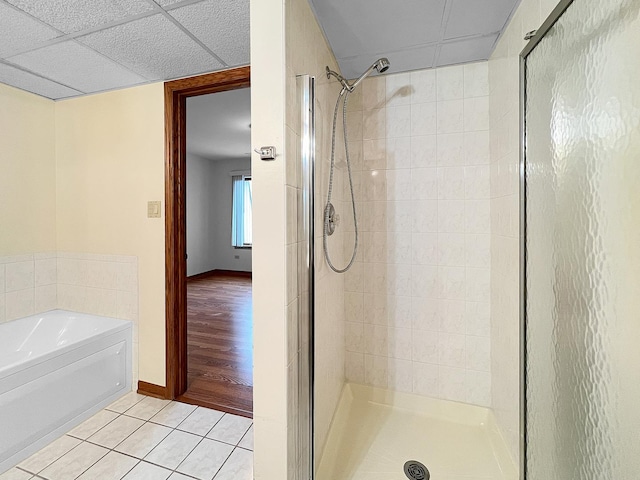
<point x="220" y="343"/>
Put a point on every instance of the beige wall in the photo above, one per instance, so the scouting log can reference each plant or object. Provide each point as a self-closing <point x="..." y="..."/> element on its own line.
<point x="109" y="150"/>
<point x="269" y="241"/>
<point x="27" y="173"/>
<point x="504" y="97"/>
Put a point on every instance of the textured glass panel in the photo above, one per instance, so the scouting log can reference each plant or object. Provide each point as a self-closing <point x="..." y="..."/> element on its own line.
<point x="583" y="245"/>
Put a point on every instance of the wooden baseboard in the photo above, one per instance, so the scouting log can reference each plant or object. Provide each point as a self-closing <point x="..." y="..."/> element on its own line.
<point x="185" y="398"/>
<point x="213" y="273"/>
<point x="152" y="390"/>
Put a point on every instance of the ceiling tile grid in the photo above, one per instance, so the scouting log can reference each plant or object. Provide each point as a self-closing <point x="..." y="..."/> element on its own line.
<point x="162" y="49"/>
<point x="229" y="40"/>
<point x="63" y="48"/>
<point x="76" y="66"/>
<point x="20" y="31"/>
<point x="32" y="83"/>
<point x="58" y="47"/>
<point x="74" y="16"/>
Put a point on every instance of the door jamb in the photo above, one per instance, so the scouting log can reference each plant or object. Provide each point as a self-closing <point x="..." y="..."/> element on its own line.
<point x="176" y="93"/>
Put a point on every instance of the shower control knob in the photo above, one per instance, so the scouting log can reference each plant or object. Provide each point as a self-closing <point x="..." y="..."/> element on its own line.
<point x="331" y="219"/>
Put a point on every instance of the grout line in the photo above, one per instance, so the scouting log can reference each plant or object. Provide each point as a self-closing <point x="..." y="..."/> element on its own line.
<point x="143" y="460"/>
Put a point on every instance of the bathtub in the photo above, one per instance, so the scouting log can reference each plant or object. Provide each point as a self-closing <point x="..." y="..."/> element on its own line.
<point x="56" y="370"/>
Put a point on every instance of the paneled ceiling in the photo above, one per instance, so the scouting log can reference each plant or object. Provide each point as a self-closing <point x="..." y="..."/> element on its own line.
<point x="66" y="48"/>
<point x="413" y="34"/>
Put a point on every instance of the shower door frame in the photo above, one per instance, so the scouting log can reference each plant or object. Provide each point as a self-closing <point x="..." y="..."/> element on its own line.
<point x="306" y="261"/>
<point x="539" y="35"/>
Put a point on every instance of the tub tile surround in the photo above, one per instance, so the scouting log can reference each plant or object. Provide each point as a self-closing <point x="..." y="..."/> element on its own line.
<point x="105" y="285"/>
<point x="178" y="441"/>
<point x="417" y="300"/>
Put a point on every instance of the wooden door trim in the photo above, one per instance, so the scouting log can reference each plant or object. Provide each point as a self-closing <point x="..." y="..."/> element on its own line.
<point x="176" y="93"/>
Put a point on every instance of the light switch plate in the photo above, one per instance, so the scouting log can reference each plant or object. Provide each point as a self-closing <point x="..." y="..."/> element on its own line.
<point x="154" y="209"/>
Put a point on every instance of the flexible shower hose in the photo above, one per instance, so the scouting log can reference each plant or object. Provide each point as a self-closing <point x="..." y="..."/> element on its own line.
<point x="325" y="234"/>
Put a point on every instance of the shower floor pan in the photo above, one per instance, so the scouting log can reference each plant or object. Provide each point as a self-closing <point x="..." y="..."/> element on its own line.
<point x="374" y="432"/>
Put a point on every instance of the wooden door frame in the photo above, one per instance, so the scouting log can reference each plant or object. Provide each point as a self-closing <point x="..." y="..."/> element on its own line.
<point x="176" y="93"/>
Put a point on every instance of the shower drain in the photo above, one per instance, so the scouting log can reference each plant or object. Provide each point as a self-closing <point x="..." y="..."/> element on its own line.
<point x="416" y="471"/>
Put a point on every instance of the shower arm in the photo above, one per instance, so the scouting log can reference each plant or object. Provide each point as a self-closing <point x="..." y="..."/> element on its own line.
<point x="341" y="79"/>
<point x="381" y="65"/>
<point x="345" y="83"/>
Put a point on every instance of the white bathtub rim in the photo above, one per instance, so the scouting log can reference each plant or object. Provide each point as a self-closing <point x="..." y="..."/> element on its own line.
<point x="119" y="325"/>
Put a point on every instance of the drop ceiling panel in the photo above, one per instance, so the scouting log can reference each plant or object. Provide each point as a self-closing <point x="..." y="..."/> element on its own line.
<point x="153" y="47"/>
<point x="410" y="31"/>
<point x="20" y="31"/>
<point x="358" y="27"/>
<point x="74" y="16"/>
<point x="34" y="84"/>
<point x="469" y="50"/>
<point x="226" y="31"/>
<point x="478" y="16"/>
<point x="76" y="66"/>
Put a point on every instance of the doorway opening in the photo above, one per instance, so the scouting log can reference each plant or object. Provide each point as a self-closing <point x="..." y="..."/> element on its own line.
<point x="208" y="280"/>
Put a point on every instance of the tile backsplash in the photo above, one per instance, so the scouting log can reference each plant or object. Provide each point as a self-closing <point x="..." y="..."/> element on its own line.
<point x="104" y="285"/>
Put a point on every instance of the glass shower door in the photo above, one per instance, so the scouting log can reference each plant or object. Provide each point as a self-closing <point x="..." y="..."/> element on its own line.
<point x="582" y="244"/>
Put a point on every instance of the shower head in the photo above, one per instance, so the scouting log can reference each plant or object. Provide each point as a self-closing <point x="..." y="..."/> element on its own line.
<point x="381" y="65"/>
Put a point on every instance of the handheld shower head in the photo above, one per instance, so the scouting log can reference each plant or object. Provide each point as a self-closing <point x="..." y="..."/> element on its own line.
<point x="381" y="65"/>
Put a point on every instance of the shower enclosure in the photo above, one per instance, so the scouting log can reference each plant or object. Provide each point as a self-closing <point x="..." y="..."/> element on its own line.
<point x="581" y="237"/>
<point x="394" y="356"/>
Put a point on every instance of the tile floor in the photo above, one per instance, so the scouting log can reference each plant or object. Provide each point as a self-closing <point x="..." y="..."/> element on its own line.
<point x="145" y="438"/>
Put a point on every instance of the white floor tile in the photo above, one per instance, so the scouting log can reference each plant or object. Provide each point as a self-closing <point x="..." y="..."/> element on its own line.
<point x="173" y="449"/>
<point x="16" y="474"/>
<point x="247" y="440"/>
<point x="239" y="466"/>
<point x="206" y="459"/>
<point x="93" y="424"/>
<point x="173" y="414"/>
<point x="201" y="421"/>
<point x="125" y="403"/>
<point x="74" y="463"/>
<point x="147" y="408"/>
<point x="143" y="440"/>
<point x="230" y="429"/>
<point x="49" y="454"/>
<point x="113" y="466"/>
<point x="114" y="433"/>
<point x="146" y="471"/>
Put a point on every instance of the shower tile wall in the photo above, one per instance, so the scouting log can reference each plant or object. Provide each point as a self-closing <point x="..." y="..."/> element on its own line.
<point x="417" y="300"/>
<point x="97" y="284"/>
<point x="505" y="144"/>
<point x="307" y="52"/>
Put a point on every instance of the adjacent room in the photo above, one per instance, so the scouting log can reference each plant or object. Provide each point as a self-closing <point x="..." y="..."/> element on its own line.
<point x="219" y="237"/>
